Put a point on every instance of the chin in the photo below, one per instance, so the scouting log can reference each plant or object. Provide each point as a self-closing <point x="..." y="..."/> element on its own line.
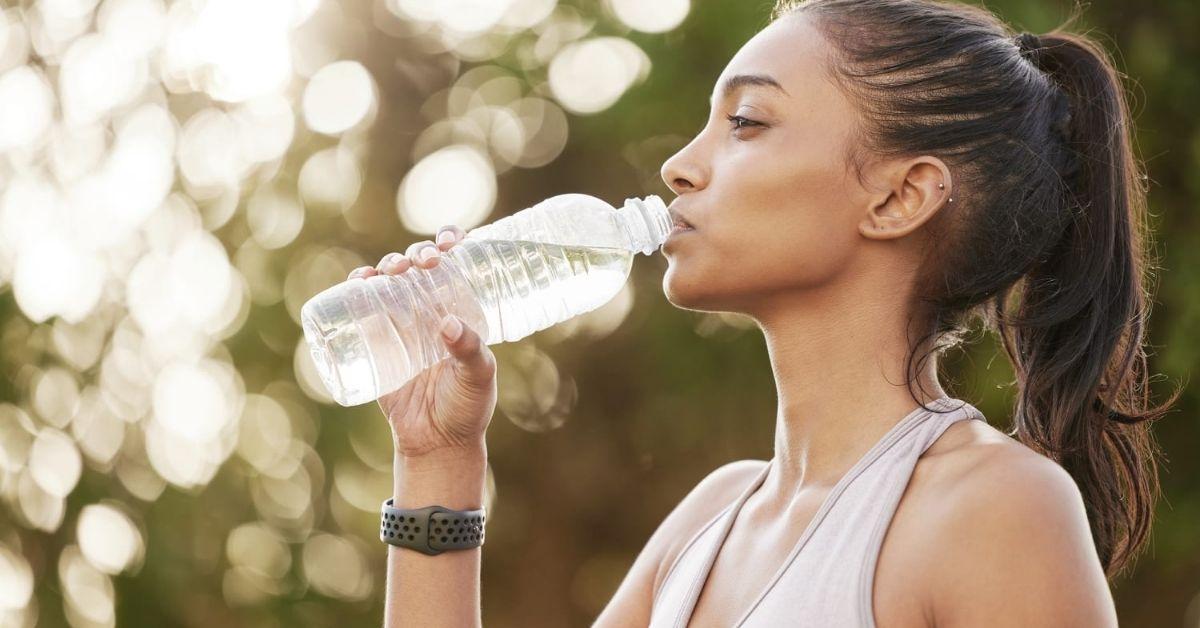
<point x="689" y="295"/>
<point x="680" y="296"/>
<point x="708" y="295"/>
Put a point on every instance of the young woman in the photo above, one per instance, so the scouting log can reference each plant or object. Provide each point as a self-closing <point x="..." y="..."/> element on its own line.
<point x="875" y="174"/>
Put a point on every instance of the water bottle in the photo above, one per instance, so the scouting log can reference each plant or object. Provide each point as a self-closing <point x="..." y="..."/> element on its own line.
<point x="567" y="255"/>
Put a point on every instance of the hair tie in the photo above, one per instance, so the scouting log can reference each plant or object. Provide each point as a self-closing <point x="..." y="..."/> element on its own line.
<point x="1029" y="45"/>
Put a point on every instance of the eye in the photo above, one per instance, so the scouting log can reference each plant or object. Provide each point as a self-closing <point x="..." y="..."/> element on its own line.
<point x="740" y="122"/>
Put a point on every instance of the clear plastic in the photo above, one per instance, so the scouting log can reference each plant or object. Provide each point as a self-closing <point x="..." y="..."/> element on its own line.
<point x="567" y="255"/>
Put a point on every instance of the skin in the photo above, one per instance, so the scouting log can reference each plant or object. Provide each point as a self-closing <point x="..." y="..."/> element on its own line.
<point x="988" y="532"/>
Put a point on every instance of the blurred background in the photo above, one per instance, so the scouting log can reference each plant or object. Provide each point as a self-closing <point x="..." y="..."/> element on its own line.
<point x="177" y="178"/>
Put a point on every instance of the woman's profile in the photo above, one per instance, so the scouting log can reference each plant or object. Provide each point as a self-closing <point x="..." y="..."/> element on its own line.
<point x="873" y="177"/>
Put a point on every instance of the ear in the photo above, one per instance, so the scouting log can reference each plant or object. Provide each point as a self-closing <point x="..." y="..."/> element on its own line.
<point x="910" y="198"/>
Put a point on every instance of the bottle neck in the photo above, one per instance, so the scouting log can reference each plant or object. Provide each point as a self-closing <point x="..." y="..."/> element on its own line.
<point x="647" y="222"/>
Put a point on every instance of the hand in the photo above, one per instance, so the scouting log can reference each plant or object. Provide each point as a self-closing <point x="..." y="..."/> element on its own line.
<point x="447" y="407"/>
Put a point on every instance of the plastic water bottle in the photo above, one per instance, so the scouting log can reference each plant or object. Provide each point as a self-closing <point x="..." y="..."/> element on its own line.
<point x="567" y="255"/>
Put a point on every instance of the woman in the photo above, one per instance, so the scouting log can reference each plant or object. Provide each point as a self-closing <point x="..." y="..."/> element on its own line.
<point x="872" y="176"/>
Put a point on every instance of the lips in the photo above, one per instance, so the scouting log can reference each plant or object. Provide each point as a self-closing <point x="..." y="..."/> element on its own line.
<point x="678" y="221"/>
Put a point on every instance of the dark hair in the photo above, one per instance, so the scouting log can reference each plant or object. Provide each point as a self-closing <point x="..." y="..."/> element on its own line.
<point x="1046" y="241"/>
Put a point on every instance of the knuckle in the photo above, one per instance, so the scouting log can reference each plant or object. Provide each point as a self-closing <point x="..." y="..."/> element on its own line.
<point x="488" y="360"/>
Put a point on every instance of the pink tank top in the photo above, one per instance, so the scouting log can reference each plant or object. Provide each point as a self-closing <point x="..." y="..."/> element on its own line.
<point x="827" y="578"/>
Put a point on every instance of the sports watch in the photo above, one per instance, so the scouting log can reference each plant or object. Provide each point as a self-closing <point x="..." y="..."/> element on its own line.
<point x="431" y="530"/>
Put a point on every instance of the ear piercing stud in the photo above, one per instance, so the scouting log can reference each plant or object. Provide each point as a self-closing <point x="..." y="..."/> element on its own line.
<point x="942" y="186"/>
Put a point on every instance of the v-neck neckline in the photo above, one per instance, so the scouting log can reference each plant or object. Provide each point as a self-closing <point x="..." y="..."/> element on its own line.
<point x="897" y="431"/>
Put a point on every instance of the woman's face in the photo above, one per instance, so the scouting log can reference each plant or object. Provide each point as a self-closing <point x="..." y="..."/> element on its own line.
<point x="774" y="205"/>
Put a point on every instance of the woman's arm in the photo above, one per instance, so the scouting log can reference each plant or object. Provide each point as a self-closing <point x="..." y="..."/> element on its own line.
<point x="438" y="420"/>
<point x="1014" y="549"/>
<point x="443" y="590"/>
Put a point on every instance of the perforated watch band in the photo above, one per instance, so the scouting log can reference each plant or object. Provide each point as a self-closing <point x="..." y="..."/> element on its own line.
<point x="431" y="530"/>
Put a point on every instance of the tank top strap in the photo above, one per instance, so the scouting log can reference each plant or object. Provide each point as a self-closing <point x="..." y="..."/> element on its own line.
<point x="828" y="575"/>
<point x="895" y="482"/>
<point x="828" y="578"/>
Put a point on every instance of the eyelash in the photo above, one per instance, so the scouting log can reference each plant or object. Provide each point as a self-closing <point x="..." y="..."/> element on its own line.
<point x="747" y="122"/>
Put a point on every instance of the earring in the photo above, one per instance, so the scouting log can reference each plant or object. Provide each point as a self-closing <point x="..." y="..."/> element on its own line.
<point x="941" y="186"/>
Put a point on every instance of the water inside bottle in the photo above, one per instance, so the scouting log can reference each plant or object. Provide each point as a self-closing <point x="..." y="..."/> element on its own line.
<point x="367" y="346"/>
<point x="535" y="284"/>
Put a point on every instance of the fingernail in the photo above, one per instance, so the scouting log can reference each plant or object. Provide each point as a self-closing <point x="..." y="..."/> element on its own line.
<point x="389" y="262"/>
<point x="444" y="237"/>
<point x="427" y="253"/>
<point x="451" y="327"/>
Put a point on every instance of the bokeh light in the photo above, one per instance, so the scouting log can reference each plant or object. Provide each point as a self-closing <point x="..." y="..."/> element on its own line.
<point x="335" y="566"/>
<point x="330" y="180"/>
<point x="589" y="76"/>
<point x="54" y="462"/>
<point x="659" y="16"/>
<point x="16" y="580"/>
<point x="109" y="539"/>
<point x="339" y="96"/>
<point x="231" y="50"/>
<point x="533" y="393"/>
<point x="452" y="186"/>
<point x="26" y="106"/>
<point x="258" y="549"/>
<point x="274" y="217"/>
<point x="88" y="594"/>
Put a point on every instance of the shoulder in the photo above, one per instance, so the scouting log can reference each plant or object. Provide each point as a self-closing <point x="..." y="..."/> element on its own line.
<point x="632" y="604"/>
<point x="1010" y="524"/>
<point x="707" y="499"/>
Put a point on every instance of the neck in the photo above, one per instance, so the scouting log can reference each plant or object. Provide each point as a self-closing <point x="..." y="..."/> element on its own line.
<point x="840" y="374"/>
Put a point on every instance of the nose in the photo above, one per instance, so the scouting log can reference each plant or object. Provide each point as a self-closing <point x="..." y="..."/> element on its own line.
<point x="682" y="172"/>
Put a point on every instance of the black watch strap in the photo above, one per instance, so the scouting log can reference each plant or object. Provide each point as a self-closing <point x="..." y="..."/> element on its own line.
<point x="431" y="530"/>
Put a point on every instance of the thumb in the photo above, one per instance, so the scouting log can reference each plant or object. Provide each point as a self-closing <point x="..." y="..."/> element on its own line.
<point x="472" y="359"/>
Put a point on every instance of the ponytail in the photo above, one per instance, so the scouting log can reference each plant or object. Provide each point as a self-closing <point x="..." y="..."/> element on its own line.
<point x="1076" y="337"/>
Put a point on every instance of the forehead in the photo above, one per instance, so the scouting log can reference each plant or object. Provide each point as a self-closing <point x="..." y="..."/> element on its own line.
<point x="790" y="50"/>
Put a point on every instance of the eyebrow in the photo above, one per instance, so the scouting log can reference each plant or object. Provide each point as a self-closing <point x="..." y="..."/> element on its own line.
<point x="738" y="81"/>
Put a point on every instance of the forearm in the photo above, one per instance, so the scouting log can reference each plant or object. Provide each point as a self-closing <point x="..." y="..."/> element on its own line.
<point x="440" y="590"/>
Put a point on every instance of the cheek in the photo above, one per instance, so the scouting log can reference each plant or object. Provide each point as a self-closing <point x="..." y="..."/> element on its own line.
<point x="732" y="274"/>
<point x="798" y="247"/>
<point x="785" y="222"/>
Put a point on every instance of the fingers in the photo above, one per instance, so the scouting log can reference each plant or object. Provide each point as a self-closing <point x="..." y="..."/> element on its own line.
<point x="393" y="264"/>
<point x="423" y="254"/>
<point x="448" y="236"/>
<point x="472" y="358"/>
<point x="362" y="272"/>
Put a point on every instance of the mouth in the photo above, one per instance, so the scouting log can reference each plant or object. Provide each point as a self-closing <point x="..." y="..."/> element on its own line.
<point x="678" y="223"/>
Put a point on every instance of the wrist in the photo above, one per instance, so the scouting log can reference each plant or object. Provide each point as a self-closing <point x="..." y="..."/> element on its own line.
<point x="443" y="458"/>
<point x="453" y="479"/>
